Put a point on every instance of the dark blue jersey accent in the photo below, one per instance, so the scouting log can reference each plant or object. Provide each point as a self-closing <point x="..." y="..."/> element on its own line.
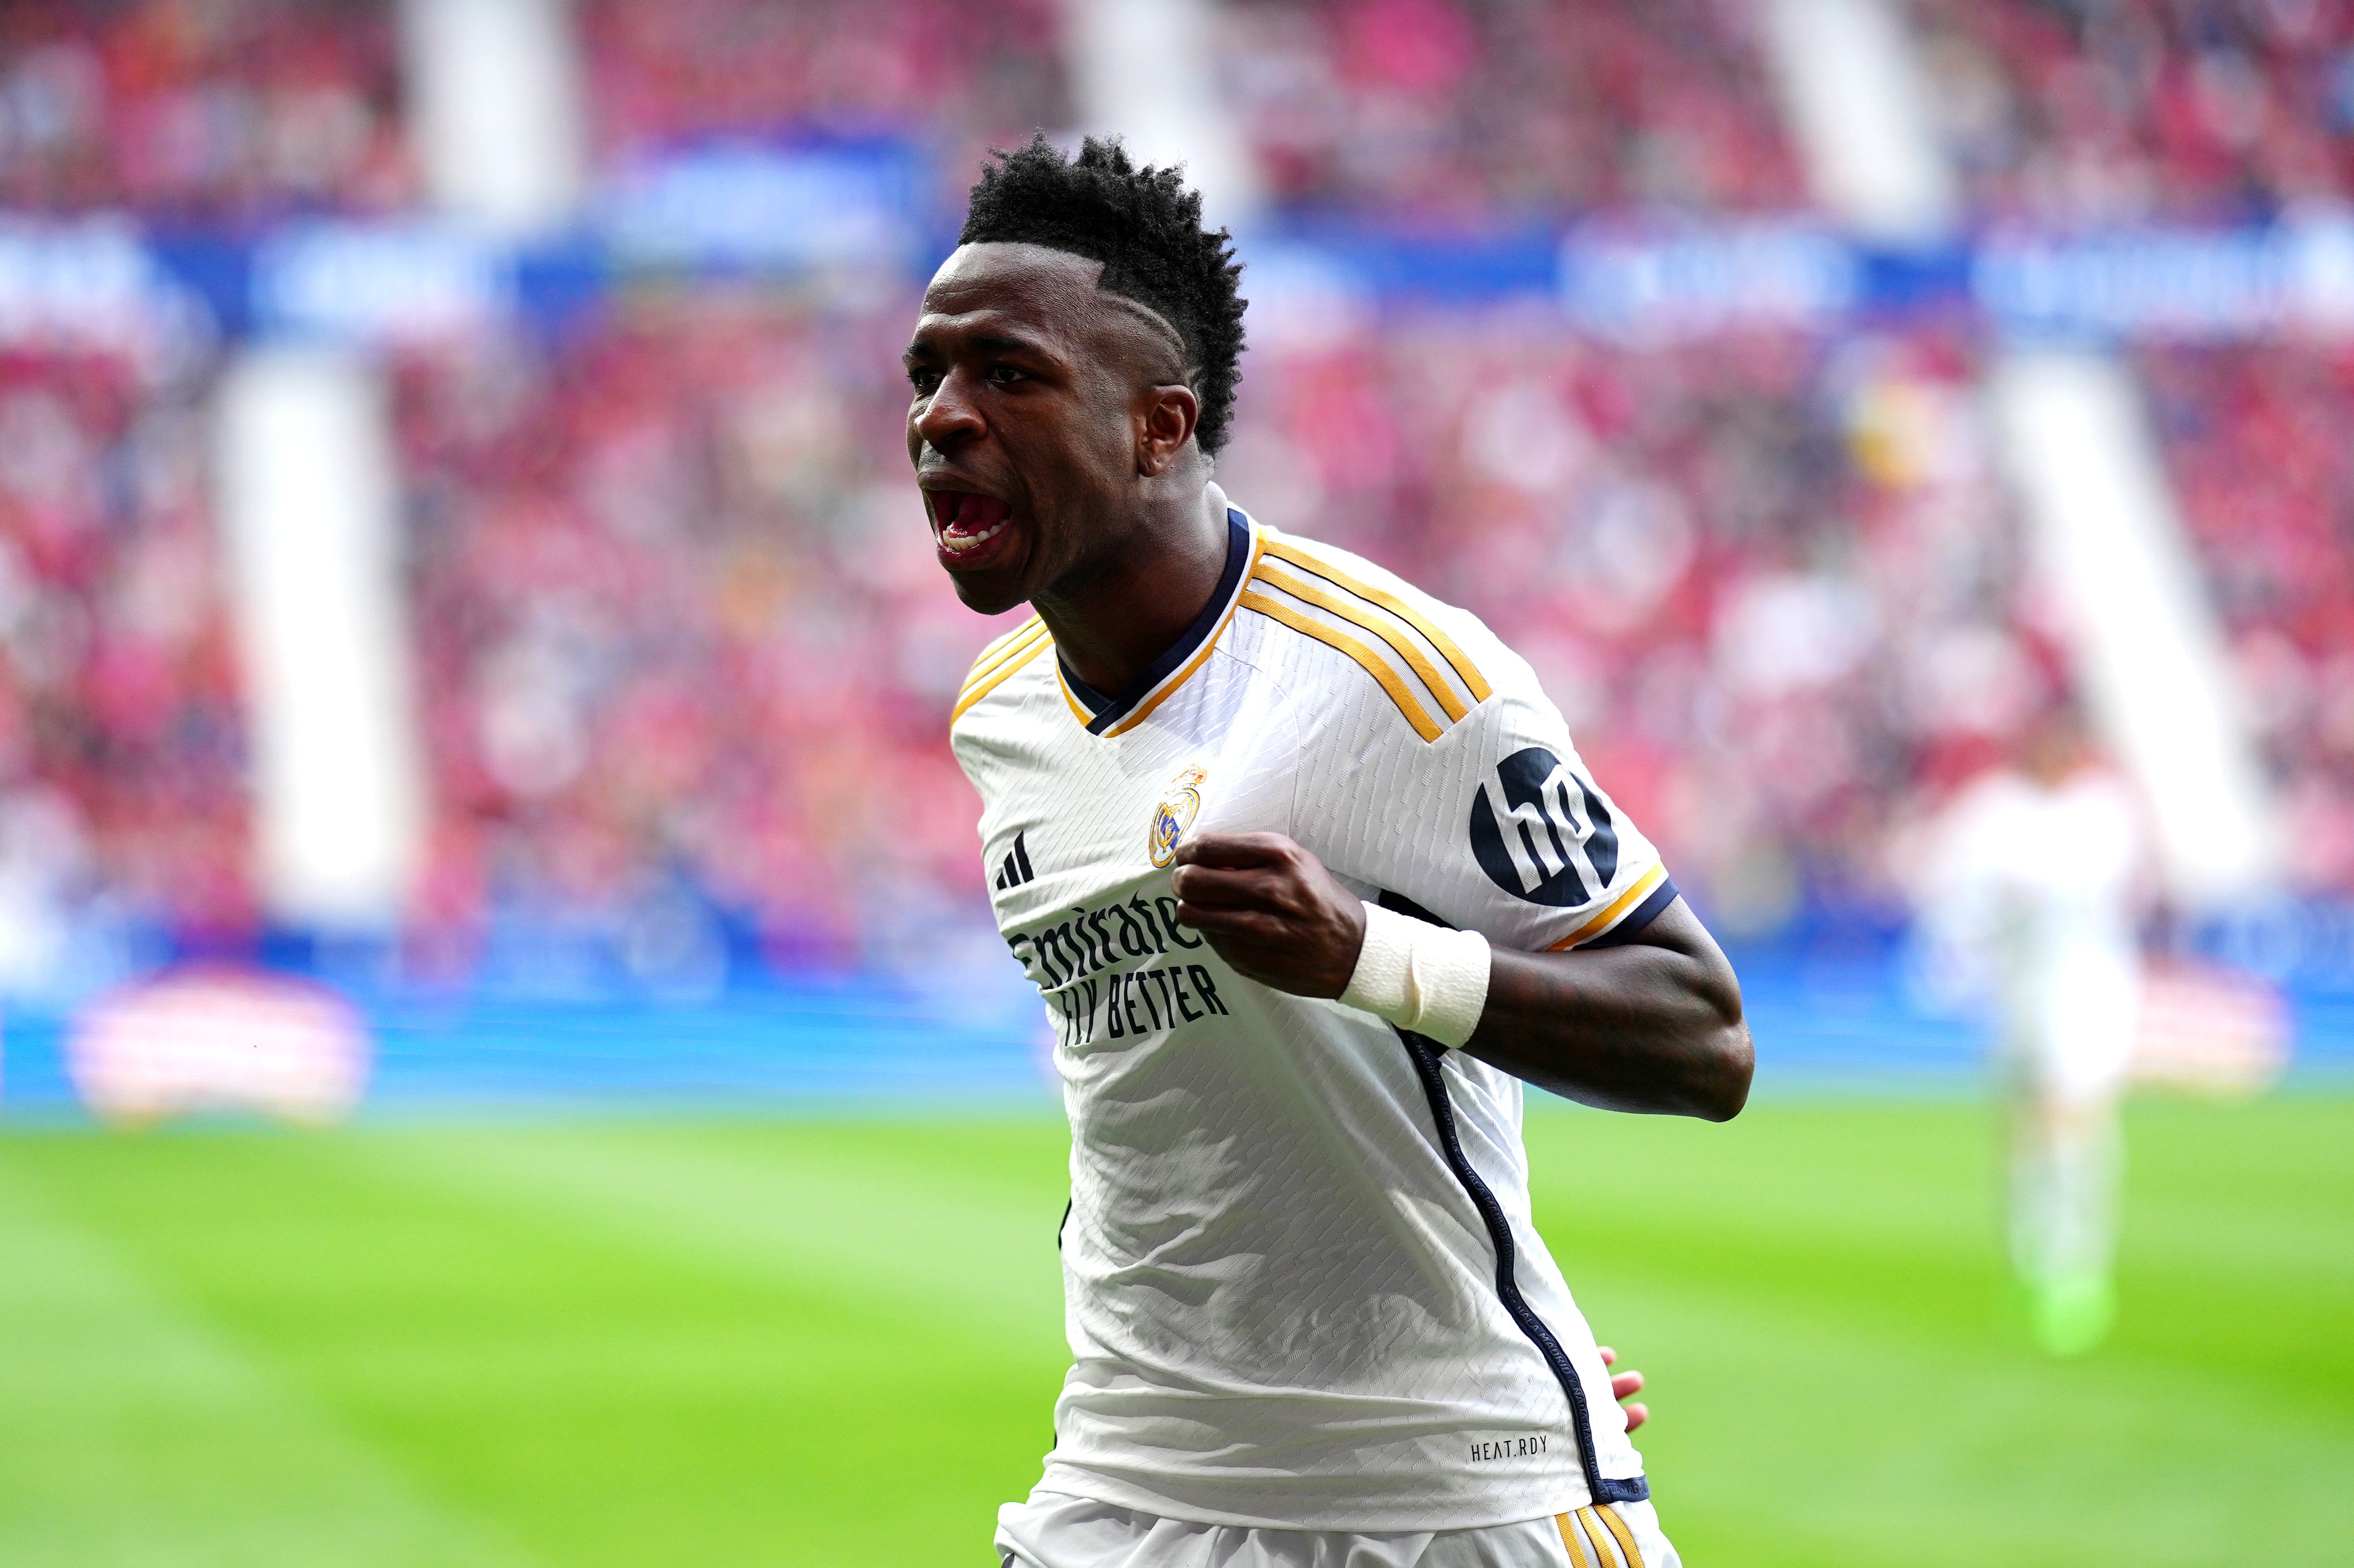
<point x="1426" y="1053"/>
<point x="1105" y="712"/>
<point x="1627" y="930"/>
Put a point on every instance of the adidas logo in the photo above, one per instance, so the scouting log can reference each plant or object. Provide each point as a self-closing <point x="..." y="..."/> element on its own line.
<point x="1016" y="869"/>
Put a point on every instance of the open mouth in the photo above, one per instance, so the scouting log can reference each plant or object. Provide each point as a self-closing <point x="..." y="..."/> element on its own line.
<point x="965" y="524"/>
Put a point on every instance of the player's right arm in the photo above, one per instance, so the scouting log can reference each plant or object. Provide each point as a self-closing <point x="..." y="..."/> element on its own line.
<point x="1433" y="773"/>
<point x="1652" y="1022"/>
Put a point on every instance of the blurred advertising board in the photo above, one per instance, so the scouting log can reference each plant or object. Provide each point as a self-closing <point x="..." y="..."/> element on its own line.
<point x="854" y="210"/>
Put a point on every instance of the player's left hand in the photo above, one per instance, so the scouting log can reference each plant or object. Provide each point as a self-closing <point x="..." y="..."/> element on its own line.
<point x="1623" y="1386"/>
<point x="1271" y="910"/>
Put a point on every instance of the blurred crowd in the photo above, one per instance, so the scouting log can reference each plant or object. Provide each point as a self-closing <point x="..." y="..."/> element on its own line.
<point x="683" y="629"/>
<point x="123" y="788"/>
<point x="2126" y="111"/>
<point x="2056" y="111"/>
<point x="200" y="109"/>
<point x="2254" y="438"/>
<point x="686" y="658"/>
<point x="685" y="643"/>
<point x="212" y="110"/>
<point x="1772" y="581"/>
<point x="1427" y="106"/>
<point x="1522" y="108"/>
<point x="967" y="78"/>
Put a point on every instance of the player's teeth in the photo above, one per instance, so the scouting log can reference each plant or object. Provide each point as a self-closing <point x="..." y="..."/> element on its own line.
<point x="962" y="541"/>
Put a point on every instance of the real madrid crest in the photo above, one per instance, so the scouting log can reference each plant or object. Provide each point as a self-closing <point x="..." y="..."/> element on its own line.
<point x="1180" y="804"/>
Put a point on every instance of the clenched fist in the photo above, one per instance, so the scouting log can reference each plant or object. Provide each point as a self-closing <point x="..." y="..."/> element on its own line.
<point x="1271" y="910"/>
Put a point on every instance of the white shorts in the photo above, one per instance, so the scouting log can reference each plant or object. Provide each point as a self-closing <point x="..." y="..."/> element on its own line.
<point x="1052" y="1531"/>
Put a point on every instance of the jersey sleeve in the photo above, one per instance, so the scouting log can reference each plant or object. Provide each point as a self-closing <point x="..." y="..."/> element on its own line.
<point x="1004" y="658"/>
<point x="1497" y="825"/>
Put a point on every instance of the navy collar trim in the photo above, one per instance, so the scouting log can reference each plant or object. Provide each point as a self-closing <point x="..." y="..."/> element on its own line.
<point x="1104" y="711"/>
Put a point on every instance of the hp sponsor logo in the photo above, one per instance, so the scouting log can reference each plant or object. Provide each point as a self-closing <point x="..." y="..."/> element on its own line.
<point x="1546" y="836"/>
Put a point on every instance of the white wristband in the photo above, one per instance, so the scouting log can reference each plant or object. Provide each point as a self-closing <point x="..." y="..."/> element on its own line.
<point x="1419" y="976"/>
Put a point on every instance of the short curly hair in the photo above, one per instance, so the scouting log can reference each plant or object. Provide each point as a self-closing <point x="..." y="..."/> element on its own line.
<point x="1146" y="228"/>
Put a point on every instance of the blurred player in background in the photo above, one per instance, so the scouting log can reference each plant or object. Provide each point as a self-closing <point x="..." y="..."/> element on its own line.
<point x="1311" y="1317"/>
<point x="2033" y="892"/>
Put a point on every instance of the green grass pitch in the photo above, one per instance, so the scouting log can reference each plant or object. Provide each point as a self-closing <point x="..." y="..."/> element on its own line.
<point x="816" y="1343"/>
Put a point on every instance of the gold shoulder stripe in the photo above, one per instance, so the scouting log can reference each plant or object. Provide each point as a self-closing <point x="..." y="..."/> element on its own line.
<point x="979" y="689"/>
<point x="1643" y="889"/>
<point x="1395" y="605"/>
<point x="1003" y="658"/>
<point x="1012" y="645"/>
<point x="999" y="644"/>
<point x="1626" y="1547"/>
<point x="1374" y="665"/>
<point x="1423" y="669"/>
<point x="1572" y="1537"/>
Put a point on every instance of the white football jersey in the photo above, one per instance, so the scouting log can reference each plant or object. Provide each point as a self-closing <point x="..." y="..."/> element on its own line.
<point x="1300" y="1280"/>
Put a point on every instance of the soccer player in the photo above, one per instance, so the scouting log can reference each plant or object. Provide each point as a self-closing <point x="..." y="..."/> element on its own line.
<point x="1311" y="879"/>
<point x="2036" y="885"/>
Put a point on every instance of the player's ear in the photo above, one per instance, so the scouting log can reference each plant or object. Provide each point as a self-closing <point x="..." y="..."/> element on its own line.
<point x="1165" y="419"/>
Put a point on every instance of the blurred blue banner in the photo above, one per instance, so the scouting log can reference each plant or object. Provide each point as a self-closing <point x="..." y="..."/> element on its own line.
<point x="757" y="206"/>
<point x="1824" y="1013"/>
<point x="862" y="209"/>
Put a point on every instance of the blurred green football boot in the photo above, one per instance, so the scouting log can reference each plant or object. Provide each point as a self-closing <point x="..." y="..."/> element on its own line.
<point x="2069" y="1314"/>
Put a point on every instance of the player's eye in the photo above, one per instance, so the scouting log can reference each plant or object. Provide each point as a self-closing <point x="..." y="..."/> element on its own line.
<point x="1005" y="375"/>
<point x="924" y="378"/>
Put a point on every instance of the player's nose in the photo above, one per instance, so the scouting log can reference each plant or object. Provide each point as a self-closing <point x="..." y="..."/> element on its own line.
<point x="948" y="418"/>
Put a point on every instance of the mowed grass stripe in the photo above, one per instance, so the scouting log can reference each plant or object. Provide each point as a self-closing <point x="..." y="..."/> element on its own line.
<point x="1787" y="1438"/>
<point x="618" y="1368"/>
<point x="960" y="1246"/>
<point x="1889" y="1217"/>
<point x="838" y="1343"/>
<point x="1818" y="1294"/>
<point x="133" y="1435"/>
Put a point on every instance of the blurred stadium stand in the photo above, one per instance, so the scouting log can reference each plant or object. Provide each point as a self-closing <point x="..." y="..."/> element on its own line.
<point x="961" y="78"/>
<point x="2090" y="115"/>
<point x="125" y="797"/>
<point x="1559" y="311"/>
<point x="1423" y="108"/>
<point x="181" y="110"/>
<point x="678" y="640"/>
